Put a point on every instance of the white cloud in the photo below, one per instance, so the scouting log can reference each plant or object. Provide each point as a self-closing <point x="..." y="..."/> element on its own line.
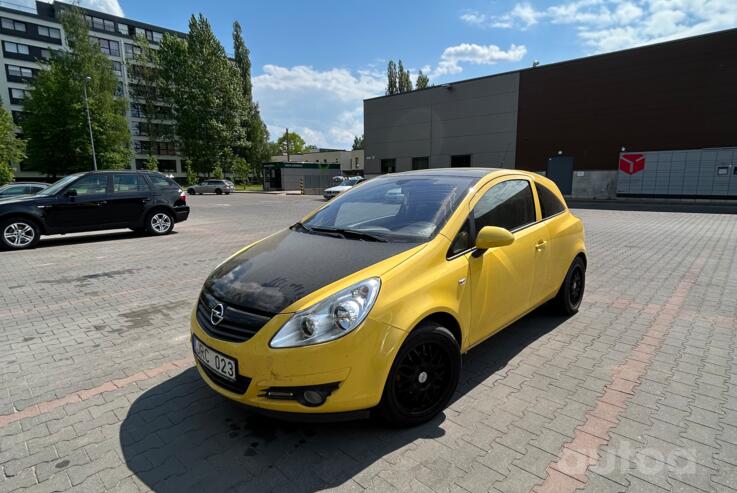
<point x="606" y="25"/>
<point x="108" y="6"/>
<point x="324" y="106"/>
<point x="453" y="56"/>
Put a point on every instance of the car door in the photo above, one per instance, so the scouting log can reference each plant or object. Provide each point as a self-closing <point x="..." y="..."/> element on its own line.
<point x="129" y="198"/>
<point x="83" y="205"/>
<point x="502" y="279"/>
<point x="562" y="244"/>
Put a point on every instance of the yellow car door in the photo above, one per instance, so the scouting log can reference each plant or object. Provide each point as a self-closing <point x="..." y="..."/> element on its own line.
<point x="503" y="279"/>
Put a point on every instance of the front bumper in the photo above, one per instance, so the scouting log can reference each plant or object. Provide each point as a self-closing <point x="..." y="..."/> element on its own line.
<point x="358" y="363"/>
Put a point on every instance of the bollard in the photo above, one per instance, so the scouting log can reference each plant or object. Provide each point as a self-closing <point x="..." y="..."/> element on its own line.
<point x="301" y="186"/>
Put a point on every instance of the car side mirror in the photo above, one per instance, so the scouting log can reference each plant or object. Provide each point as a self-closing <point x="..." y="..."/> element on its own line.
<point x="492" y="237"/>
<point x="70" y="193"/>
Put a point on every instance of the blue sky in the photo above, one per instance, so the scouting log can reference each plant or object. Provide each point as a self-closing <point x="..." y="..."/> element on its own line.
<point x="314" y="62"/>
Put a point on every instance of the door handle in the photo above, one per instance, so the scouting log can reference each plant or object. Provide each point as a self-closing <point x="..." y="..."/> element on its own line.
<point x="541" y="245"/>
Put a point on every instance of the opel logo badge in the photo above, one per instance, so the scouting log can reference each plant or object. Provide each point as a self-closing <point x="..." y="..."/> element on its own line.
<point x="216" y="314"/>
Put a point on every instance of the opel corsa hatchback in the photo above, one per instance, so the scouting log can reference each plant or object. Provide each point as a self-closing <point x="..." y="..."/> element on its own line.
<point x="369" y="302"/>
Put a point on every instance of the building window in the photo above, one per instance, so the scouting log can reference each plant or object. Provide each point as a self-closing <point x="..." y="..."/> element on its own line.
<point x="107" y="46"/>
<point x="45" y="54"/>
<point x="13" y="25"/>
<point x="124" y="29"/>
<point x="18" y="95"/>
<point x="461" y="161"/>
<point x="118" y="68"/>
<point x="18" y="48"/>
<point x="132" y="50"/>
<point x="17" y="71"/>
<point x="156" y="37"/>
<point x="18" y="117"/>
<point x="388" y="166"/>
<point x="100" y="24"/>
<point x="49" y="32"/>
<point x="420" y="162"/>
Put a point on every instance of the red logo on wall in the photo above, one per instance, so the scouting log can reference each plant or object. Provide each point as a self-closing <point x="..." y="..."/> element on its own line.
<point x="632" y="163"/>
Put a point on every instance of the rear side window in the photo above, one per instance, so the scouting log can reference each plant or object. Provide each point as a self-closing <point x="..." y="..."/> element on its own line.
<point x="161" y="182"/>
<point x="550" y="205"/>
<point x="127" y="183"/>
<point x="508" y="205"/>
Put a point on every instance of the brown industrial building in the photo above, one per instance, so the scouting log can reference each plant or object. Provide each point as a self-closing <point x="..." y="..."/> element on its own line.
<point x="658" y="120"/>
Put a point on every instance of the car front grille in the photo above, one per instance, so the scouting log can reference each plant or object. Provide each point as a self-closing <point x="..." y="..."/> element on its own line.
<point x="237" y="324"/>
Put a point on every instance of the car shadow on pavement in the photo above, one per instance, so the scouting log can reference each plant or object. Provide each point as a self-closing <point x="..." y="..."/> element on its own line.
<point x="182" y="436"/>
<point x="55" y="241"/>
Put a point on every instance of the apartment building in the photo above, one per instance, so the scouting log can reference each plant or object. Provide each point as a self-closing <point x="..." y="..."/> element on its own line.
<point x="29" y="36"/>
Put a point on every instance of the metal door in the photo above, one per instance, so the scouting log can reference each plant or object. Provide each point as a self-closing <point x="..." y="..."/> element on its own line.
<point x="560" y="170"/>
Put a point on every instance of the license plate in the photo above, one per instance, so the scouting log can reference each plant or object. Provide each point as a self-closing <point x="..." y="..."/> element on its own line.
<point x="215" y="361"/>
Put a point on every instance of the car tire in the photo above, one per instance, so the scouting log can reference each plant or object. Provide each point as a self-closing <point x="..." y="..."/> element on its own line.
<point x="569" y="297"/>
<point x="218" y="191"/>
<point x="191" y="191"/>
<point x="159" y="223"/>
<point x="423" y="377"/>
<point x="18" y="233"/>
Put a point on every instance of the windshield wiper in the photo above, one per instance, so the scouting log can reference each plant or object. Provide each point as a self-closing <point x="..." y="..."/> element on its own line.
<point x="352" y="233"/>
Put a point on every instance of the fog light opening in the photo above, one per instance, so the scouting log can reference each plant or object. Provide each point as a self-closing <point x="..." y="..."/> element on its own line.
<point x="313" y="397"/>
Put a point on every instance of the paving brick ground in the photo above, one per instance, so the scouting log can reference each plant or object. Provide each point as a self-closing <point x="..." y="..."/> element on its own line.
<point x="636" y="392"/>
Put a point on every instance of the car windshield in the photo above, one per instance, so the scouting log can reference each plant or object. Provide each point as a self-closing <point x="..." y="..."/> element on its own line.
<point x="402" y="209"/>
<point x="58" y="185"/>
<point x="346" y="183"/>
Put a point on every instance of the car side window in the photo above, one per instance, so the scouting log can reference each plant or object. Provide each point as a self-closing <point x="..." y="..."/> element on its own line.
<point x="508" y="205"/>
<point x="90" y="184"/>
<point x="127" y="183"/>
<point x="159" y="182"/>
<point x="550" y="204"/>
<point x="16" y="190"/>
<point x="462" y="241"/>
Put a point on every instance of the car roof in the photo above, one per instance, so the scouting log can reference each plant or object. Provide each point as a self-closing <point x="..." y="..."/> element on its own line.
<point x="27" y="183"/>
<point x="476" y="172"/>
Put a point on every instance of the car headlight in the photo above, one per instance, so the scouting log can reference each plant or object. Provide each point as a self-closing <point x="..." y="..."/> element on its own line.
<point x="329" y="319"/>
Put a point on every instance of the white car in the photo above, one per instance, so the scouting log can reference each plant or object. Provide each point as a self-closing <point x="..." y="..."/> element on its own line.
<point x="344" y="185"/>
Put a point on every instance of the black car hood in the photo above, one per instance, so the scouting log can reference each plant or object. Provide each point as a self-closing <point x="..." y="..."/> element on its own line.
<point x="289" y="265"/>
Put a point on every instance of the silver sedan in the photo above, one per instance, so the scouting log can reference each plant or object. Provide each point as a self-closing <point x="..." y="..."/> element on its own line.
<point x="212" y="186"/>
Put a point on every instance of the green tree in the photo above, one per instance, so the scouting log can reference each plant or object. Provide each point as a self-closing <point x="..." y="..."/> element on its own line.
<point x="217" y="172"/>
<point x="152" y="164"/>
<point x="12" y="149"/>
<point x="257" y="135"/>
<point x="241" y="169"/>
<point x="55" y="123"/>
<point x="404" y="81"/>
<point x="296" y="144"/>
<point x="146" y="90"/>
<point x="191" y="173"/>
<point x="392" y="83"/>
<point x="422" y="81"/>
<point x="205" y="92"/>
<point x="357" y="143"/>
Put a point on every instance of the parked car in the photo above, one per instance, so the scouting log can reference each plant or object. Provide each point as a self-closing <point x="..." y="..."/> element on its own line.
<point x="212" y="186"/>
<point x="368" y="303"/>
<point x="22" y="188"/>
<point x="346" y="184"/>
<point x="139" y="200"/>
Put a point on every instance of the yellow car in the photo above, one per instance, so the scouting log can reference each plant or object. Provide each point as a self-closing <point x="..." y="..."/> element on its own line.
<point x="368" y="302"/>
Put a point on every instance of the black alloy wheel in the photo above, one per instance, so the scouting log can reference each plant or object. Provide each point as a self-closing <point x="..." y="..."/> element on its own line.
<point x="423" y="377"/>
<point x="570" y="295"/>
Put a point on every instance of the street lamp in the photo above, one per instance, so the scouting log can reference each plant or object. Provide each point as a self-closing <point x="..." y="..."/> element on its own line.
<point x="89" y="122"/>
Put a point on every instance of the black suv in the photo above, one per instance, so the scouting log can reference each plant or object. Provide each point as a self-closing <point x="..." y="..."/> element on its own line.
<point x="139" y="200"/>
